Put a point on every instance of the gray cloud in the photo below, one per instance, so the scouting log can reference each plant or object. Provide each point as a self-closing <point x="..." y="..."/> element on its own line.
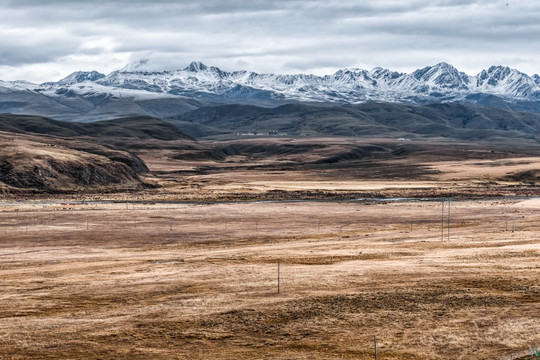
<point x="266" y="35"/>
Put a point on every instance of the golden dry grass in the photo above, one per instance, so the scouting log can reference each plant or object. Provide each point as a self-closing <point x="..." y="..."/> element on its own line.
<point x="188" y="271"/>
<point x="177" y="281"/>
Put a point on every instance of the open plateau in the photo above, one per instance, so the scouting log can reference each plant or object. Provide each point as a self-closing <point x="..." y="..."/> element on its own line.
<point x="191" y="225"/>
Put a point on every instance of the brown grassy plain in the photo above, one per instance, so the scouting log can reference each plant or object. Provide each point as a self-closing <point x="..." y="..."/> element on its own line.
<point x="187" y="271"/>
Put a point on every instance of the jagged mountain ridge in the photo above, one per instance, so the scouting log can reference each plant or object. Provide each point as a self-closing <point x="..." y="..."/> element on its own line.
<point x="347" y="85"/>
<point x="498" y="86"/>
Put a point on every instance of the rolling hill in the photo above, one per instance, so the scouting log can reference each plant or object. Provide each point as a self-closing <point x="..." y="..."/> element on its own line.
<point x="137" y="127"/>
<point x="447" y="121"/>
<point x="46" y="155"/>
<point x="39" y="164"/>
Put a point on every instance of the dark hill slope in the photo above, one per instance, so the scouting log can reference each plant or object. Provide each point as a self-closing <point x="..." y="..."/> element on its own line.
<point x="138" y="127"/>
<point x="69" y="106"/>
<point x="453" y="121"/>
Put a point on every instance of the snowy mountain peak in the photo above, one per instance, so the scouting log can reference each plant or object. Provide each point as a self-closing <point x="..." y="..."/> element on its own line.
<point x="504" y="80"/>
<point x="381" y="73"/>
<point x="136" y="66"/>
<point x="442" y="75"/>
<point x="438" y="83"/>
<point x="81" y="76"/>
<point x="499" y="69"/>
<point x="197" y="66"/>
<point x="497" y="73"/>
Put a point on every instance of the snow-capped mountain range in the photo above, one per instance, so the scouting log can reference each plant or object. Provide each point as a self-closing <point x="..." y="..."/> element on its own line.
<point x="433" y="84"/>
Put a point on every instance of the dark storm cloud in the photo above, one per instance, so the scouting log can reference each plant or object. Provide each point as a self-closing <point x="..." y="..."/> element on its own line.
<point x="279" y="35"/>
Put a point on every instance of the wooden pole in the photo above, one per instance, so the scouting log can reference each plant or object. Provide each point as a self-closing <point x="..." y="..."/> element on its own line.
<point x="442" y="220"/>
<point x="375" y="343"/>
<point x="449" y="203"/>
<point x="278" y="277"/>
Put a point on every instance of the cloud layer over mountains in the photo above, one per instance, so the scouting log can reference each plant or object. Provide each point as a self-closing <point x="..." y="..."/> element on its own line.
<point x="45" y="41"/>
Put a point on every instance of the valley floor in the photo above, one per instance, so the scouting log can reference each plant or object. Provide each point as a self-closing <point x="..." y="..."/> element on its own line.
<point x="200" y="281"/>
<point x="190" y="270"/>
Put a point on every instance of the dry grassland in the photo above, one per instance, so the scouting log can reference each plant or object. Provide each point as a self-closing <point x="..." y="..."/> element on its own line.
<point x="189" y="270"/>
<point x="186" y="281"/>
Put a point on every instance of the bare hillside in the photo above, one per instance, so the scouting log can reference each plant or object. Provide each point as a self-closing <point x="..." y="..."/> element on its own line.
<point x="48" y="164"/>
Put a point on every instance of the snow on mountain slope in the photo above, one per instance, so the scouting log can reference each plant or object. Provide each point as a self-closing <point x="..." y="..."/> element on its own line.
<point x="439" y="83"/>
<point x="20" y="85"/>
<point x="504" y="81"/>
<point x="81" y="76"/>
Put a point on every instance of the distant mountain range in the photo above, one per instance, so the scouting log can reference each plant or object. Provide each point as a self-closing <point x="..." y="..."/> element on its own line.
<point x="132" y="90"/>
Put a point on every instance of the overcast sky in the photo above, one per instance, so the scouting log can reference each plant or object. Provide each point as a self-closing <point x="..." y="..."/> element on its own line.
<point x="47" y="40"/>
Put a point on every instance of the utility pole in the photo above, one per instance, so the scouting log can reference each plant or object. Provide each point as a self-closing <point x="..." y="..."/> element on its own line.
<point x="442" y="219"/>
<point x="375" y="342"/>
<point x="449" y="203"/>
<point x="278" y="277"/>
